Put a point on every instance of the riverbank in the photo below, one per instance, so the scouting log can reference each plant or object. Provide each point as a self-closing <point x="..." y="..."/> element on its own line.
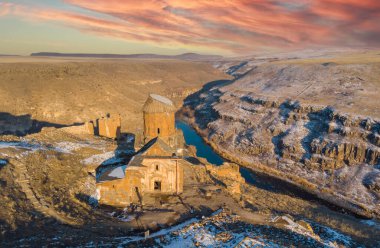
<point x="340" y="216"/>
<point x="324" y="194"/>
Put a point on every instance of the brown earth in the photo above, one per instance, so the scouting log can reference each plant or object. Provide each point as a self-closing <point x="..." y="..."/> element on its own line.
<point x="48" y="178"/>
<point x="66" y="91"/>
<point x="48" y="185"/>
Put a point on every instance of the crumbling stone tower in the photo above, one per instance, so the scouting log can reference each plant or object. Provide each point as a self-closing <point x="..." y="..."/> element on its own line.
<point x="109" y="126"/>
<point x="159" y="119"/>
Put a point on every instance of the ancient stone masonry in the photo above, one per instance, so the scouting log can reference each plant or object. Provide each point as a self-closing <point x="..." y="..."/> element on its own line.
<point x="144" y="175"/>
<point x="156" y="168"/>
<point x="109" y="126"/>
<point x="159" y="121"/>
<point x="230" y="175"/>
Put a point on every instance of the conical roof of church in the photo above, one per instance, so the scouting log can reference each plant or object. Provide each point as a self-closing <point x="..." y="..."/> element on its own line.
<point x="158" y="104"/>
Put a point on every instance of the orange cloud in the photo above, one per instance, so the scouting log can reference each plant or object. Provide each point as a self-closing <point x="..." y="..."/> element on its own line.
<point x="234" y="25"/>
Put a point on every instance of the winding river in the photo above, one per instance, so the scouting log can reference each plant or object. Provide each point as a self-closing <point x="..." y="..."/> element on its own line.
<point x="253" y="178"/>
<point x="205" y="151"/>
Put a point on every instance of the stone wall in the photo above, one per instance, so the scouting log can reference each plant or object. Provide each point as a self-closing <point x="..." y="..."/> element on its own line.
<point x="139" y="180"/>
<point x="109" y="126"/>
<point x="228" y="174"/>
<point x="168" y="171"/>
<point x="159" y="124"/>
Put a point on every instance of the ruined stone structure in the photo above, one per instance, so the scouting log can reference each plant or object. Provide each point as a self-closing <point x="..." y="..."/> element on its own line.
<point x="108" y="126"/>
<point x="159" y="121"/>
<point x="229" y="174"/>
<point x="156" y="168"/>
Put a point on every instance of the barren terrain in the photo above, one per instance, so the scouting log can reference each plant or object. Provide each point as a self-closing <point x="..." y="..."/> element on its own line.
<point x="63" y="91"/>
<point x="48" y="166"/>
<point x="313" y="121"/>
<point x="348" y="82"/>
<point x="48" y="197"/>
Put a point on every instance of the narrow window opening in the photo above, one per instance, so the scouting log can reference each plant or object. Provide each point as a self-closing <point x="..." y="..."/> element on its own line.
<point x="157" y="168"/>
<point x="157" y="185"/>
<point x="158" y="130"/>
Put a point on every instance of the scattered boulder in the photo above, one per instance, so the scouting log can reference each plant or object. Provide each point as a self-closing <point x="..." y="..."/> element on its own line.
<point x="287" y="221"/>
<point x="283" y="220"/>
<point x="305" y="225"/>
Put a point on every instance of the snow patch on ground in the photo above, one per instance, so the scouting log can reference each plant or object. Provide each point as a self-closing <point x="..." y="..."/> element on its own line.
<point x="24" y="147"/>
<point x="126" y="240"/>
<point x="127" y="218"/>
<point x="250" y="242"/>
<point x="20" y="145"/>
<point x="68" y="147"/>
<point x="372" y="223"/>
<point x="109" y="157"/>
<point x="331" y="238"/>
<point x="226" y="230"/>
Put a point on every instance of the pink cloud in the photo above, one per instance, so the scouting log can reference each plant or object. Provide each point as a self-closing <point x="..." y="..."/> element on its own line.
<point x="237" y="26"/>
<point x="5" y="8"/>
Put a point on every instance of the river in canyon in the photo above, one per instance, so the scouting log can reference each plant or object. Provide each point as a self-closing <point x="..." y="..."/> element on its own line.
<point x="253" y="178"/>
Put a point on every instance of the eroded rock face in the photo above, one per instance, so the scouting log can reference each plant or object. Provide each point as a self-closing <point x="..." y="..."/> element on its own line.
<point x="319" y="144"/>
<point x="318" y="137"/>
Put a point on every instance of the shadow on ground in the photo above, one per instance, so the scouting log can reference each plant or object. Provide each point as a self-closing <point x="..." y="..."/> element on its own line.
<point x="21" y="125"/>
<point x="123" y="153"/>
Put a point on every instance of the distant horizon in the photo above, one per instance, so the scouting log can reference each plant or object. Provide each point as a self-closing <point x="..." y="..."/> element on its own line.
<point x="172" y="27"/>
<point x="257" y="53"/>
<point x="100" y="53"/>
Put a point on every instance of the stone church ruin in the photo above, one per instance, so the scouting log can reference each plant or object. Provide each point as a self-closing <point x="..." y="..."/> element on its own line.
<point x="156" y="168"/>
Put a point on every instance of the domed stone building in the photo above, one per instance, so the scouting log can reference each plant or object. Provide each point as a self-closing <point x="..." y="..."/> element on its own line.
<point x="159" y="122"/>
<point x="159" y="117"/>
<point x="156" y="167"/>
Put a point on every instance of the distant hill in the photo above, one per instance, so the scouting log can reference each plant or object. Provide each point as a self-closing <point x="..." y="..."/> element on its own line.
<point x="185" y="56"/>
<point x="8" y="55"/>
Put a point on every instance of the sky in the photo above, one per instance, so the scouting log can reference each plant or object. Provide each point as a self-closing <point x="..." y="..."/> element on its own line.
<point x="225" y="27"/>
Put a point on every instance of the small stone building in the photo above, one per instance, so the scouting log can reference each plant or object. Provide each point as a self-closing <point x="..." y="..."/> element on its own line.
<point x="155" y="168"/>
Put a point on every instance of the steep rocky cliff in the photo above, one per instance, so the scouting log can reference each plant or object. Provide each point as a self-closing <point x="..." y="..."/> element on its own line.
<point x="271" y="118"/>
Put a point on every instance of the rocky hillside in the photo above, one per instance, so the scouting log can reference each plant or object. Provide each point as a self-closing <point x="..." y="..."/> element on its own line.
<point x="48" y="198"/>
<point x="314" y="122"/>
<point x="347" y="82"/>
<point x="39" y="92"/>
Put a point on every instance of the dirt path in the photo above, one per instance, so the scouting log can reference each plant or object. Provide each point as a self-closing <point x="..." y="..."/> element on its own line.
<point x="37" y="202"/>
